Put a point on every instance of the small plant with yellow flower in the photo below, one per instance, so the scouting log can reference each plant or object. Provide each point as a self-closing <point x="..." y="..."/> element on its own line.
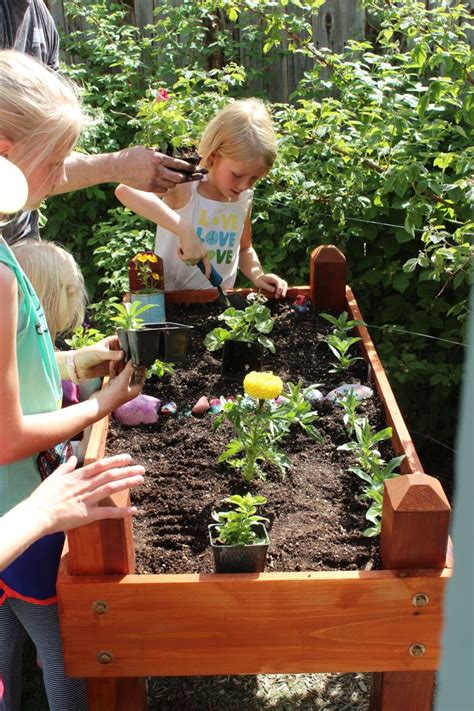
<point x="262" y="418"/>
<point x="145" y="265"/>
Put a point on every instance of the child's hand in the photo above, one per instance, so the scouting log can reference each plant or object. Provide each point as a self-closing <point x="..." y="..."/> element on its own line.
<point x="95" y="361"/>
<point x="192" y="250"/>
<point x="272" y="283"/>
<point x="126" y="386"/>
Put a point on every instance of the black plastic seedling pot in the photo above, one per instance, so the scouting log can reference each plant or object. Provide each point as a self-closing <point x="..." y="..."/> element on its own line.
<point x="239" y="358"/>
<point x="166" y="341"/>
<point x="240" y="559"/>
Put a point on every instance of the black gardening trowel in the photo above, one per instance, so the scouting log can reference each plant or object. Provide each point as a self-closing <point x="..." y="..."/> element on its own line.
<point x="226" y="300"/>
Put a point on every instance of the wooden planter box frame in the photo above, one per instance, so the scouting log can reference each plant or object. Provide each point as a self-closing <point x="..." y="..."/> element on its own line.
<point x="118" y="627"/>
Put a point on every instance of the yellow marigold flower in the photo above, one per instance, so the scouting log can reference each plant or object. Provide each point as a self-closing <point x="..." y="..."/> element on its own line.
<point x="262" y="386"/>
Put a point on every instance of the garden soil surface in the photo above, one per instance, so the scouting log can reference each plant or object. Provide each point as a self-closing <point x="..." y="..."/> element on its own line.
<point x="316" y="519"/>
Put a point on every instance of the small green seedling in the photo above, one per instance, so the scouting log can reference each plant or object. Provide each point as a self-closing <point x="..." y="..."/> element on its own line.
<point x="237" y="527"/>
<point x="160" y="369"/>
<point x="128" y="315"/>
<point x="340" y="348"/>
<point x="250" y="324"/>
<point x="84" y="336"/>
<point x="341" y="324"/>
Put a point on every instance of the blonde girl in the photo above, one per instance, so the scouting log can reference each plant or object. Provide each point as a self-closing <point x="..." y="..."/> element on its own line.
<point x="58" y="282"/>
<point x="40" y="121"/>
<point x="210" y="220"/>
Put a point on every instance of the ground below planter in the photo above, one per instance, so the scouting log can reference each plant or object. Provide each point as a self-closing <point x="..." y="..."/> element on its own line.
<point x="316" y="520"/>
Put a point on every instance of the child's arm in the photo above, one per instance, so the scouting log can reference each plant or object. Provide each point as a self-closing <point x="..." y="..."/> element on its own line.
<point x="249" y="264"/>
<point x="24" y="435"/>
<point x="68" y="498"/>
<point x="153" y="208"/>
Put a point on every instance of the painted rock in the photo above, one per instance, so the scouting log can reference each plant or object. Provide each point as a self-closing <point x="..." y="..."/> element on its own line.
<point x="201" y="406"/>
<point x="216" y="405"/>
<point x="142" y="410"/>
<point x="313" y="396"/>
<point x="301" y="304"/>
<point x="169" y="409"/>
<point x="362" y="392"/>
<point x="278" y="401"/>
<point x="249" y="402"/>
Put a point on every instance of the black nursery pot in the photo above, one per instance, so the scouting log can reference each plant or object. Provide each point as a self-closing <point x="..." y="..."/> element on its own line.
<point x="166" y="341"/>
<point x="239" y="358"/>
<point x="240" y="559"/>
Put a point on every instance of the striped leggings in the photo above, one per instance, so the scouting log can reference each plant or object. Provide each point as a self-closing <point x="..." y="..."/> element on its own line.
<point x="41" y="623"/>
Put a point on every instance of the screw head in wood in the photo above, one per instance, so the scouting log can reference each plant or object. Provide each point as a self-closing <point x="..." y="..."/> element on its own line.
<point x="104" y="656"/>
<point x="420" y="600"/>
<point x="100" y="607"/>
<point x="417" y="649"/>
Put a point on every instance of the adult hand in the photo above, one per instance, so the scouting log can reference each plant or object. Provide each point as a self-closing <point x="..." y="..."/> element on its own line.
<point x="146" y="169"/>
<point x="95" y="361"/>
<point x="69" y="497"/>
<point x="272" y="283"/>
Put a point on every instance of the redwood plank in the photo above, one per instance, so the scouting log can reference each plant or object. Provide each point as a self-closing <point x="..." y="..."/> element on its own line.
<point x="293" y="623"/>
<point x="401" y="440"/>
<point x="125" y="694"/>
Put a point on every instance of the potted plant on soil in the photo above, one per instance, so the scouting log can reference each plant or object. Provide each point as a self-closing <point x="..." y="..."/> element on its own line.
<point x="239" y="538"/>
<point x="244" y="339"/>
<point x="146" y="343"/>
<point x="145" y="276"/>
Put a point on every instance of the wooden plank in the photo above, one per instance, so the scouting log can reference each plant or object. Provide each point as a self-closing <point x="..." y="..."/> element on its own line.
<point x="249" y="624"/>
<point x="415" y="531"/>
<point x="401" y="440"/>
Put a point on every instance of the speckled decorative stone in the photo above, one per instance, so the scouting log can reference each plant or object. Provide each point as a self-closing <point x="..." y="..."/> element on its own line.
<point x="169" y="409"/>
<point x="313" y="396"/>
<point x="201" y="406"/>
<point x="362" y="392"/>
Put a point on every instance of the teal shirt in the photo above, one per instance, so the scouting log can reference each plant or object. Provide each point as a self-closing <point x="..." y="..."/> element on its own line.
<point x="39" y="380"/>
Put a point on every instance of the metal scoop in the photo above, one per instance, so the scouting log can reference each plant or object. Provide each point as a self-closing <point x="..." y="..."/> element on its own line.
<point x="235" y="300"/>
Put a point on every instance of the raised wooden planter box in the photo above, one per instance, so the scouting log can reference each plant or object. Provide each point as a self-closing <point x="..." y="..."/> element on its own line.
<point x="118" y="627"/>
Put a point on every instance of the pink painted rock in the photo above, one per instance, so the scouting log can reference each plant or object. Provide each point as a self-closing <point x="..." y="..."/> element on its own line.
<point x="216" y="405"/>
<point x="142" y="410"/>
<point x="201" y="406"/>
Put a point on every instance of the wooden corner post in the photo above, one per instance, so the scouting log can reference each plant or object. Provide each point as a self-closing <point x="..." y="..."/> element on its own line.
<point x="327" y="278"/>
<point x="106" y="548"/>
<point x="415" y="534"/>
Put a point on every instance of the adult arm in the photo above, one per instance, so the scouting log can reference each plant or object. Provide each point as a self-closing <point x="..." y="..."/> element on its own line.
<point x="67" y="499"/>
<point x="250" y="266"/>
<point x="24" y="435"/>
<point x="140" y="167"/>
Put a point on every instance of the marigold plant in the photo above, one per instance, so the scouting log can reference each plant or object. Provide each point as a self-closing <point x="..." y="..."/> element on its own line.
<point x="262" y="418"/>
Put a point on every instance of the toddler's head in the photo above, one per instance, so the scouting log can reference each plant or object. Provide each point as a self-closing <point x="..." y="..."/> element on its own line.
<point x="241" y="131"/>
<point x="58" y="282"/>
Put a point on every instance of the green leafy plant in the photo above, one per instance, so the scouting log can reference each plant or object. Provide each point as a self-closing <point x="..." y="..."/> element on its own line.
<point x="372" y="469"/>
<point x="159" y="369"/>
<point x="84" y="336"/>
<point x="342" y="325"/>
<point x="349" y="404"/>
<point x="340" y="348"/>
<point x="128" y="316"/>
<point x="237" y="526"/>
<point x="261" y="423"/>
<point x="250" y="324"/>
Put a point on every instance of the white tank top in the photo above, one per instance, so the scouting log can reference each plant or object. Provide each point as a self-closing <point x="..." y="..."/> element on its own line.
<point x="219" y="226"/>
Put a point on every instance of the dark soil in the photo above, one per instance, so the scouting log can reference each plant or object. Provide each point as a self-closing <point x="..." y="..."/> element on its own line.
<point x="316" y="521"/>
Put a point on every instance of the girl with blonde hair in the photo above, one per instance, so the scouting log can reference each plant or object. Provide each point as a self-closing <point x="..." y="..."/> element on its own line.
<point x="40" y="122"/>
<point x="58" y="282"/>
<point x="210" y="220"/>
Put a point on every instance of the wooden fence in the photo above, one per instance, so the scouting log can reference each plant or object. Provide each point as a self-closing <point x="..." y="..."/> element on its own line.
<point x="336" y="22"/>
